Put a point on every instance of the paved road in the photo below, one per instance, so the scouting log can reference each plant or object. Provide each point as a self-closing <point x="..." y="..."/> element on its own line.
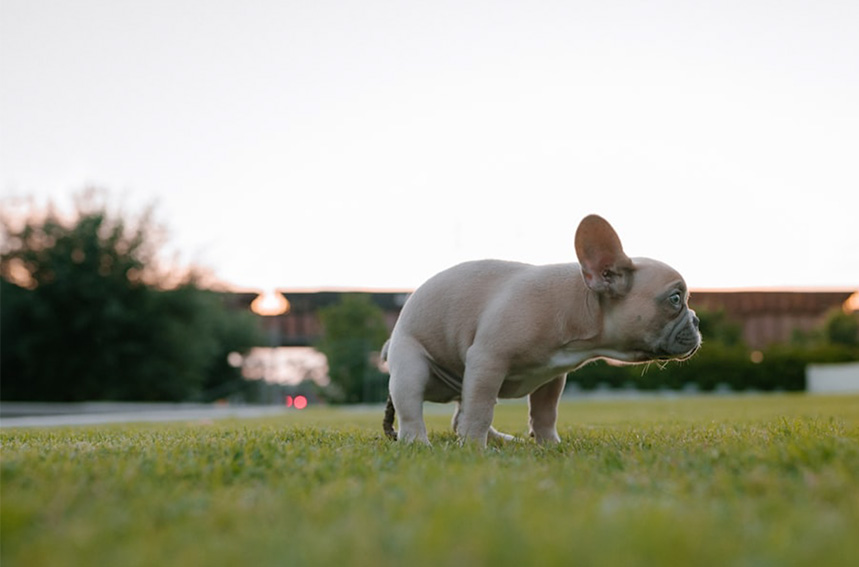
<point x="52" y="415"/>
<point x="93" y="413"/>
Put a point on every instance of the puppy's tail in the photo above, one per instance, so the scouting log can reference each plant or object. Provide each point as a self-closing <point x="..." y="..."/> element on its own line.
<point x="388" y="421"/>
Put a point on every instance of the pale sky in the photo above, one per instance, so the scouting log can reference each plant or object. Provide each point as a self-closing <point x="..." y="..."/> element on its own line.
<point x="371" y="144"/>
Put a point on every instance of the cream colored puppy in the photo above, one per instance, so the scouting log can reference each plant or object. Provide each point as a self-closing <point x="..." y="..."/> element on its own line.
<point x="491" y="329"/>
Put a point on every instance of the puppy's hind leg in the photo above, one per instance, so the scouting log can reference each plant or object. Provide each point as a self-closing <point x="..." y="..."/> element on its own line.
<point x="409" y="375"/>
<point x="543" y="410"/>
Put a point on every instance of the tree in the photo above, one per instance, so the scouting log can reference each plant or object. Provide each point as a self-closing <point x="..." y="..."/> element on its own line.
<point x="715" y="326"/>
<point x="351" y="330"/>
<point x="87" y="314"/>
<point x="842" y="328"/>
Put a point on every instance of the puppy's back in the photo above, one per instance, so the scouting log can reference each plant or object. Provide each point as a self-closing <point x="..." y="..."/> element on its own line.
<point x="444" y="312"/>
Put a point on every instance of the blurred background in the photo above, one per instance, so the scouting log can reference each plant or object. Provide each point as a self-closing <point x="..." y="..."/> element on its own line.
<point x="231" y="202"/>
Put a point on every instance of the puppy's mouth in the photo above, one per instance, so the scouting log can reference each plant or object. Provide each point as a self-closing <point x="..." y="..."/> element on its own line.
<point x="659" y="355"/>
<point x="679" y="341"/>
<point x="665" y="355"/>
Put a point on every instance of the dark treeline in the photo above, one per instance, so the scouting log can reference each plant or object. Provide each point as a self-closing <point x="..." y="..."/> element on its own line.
<point x="86" y="313"/>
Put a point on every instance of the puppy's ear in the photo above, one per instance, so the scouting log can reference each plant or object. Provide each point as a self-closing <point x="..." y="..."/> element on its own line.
<point x="605" y="267"/>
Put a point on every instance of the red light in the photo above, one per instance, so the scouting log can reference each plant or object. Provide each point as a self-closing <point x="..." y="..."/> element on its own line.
<point x="289" y="401"/>
<point x="300" y="402"/>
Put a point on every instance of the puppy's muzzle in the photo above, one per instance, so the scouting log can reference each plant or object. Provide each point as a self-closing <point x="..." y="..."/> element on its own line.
<point x="683" y="338"/>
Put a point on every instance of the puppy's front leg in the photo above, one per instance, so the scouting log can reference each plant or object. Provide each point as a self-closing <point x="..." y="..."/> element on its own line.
<point x="480" y="387"/>
<point x="543" y="410"/>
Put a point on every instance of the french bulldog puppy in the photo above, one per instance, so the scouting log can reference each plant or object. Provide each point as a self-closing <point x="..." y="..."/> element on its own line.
<point x="491" y="329"/>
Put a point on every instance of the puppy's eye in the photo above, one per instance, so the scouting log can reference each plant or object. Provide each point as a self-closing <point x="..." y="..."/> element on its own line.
<point x="676" y="299"/>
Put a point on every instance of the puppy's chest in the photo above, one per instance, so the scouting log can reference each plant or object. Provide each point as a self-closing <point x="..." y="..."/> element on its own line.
<point x="525" y="379"/>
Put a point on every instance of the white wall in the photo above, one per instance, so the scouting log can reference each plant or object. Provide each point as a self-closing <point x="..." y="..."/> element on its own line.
<point x="832" y="378"/>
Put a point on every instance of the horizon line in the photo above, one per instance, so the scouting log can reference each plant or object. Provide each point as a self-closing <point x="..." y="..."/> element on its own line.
<point x="379" y="289"/>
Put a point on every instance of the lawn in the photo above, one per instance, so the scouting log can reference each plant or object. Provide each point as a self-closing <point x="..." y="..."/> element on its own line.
<point x="745" y="481"/>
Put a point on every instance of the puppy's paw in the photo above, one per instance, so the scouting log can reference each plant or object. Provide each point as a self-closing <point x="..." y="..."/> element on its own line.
<point x="546" y="437"/>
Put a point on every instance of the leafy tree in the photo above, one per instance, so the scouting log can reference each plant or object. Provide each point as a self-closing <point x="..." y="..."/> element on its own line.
<point x="87" y="314"/>
<point x="842" y="328"/>
<point x="352" y="330"/>
<point x="715" y="326"/>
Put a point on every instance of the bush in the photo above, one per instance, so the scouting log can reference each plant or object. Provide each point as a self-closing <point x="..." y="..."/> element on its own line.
<point x="724" y="361"/>
<point x="716" y="365"/>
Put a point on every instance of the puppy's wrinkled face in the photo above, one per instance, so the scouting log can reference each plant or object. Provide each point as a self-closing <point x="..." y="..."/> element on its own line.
<point x="653" y="320"/>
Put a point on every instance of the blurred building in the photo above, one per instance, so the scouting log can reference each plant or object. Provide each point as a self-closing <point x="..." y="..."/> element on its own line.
<point x="766" y="316"/>
<point x="299" y="325"/>
<point x="773" y="316"/>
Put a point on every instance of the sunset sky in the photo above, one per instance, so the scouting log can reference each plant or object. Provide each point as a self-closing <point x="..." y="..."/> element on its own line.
<point x="371" y="144"/>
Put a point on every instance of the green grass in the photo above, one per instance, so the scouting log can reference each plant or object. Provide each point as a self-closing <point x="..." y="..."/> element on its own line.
<point x="748" y="481"/>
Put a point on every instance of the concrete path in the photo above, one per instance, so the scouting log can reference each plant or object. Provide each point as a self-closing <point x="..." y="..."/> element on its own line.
<point x="53" y="415"/>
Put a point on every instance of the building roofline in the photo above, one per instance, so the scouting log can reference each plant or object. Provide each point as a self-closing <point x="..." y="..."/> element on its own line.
<point x="773" y="289"/>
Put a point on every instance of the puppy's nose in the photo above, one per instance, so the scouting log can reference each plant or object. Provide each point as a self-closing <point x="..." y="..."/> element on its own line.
<point x="695" y="320"/>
